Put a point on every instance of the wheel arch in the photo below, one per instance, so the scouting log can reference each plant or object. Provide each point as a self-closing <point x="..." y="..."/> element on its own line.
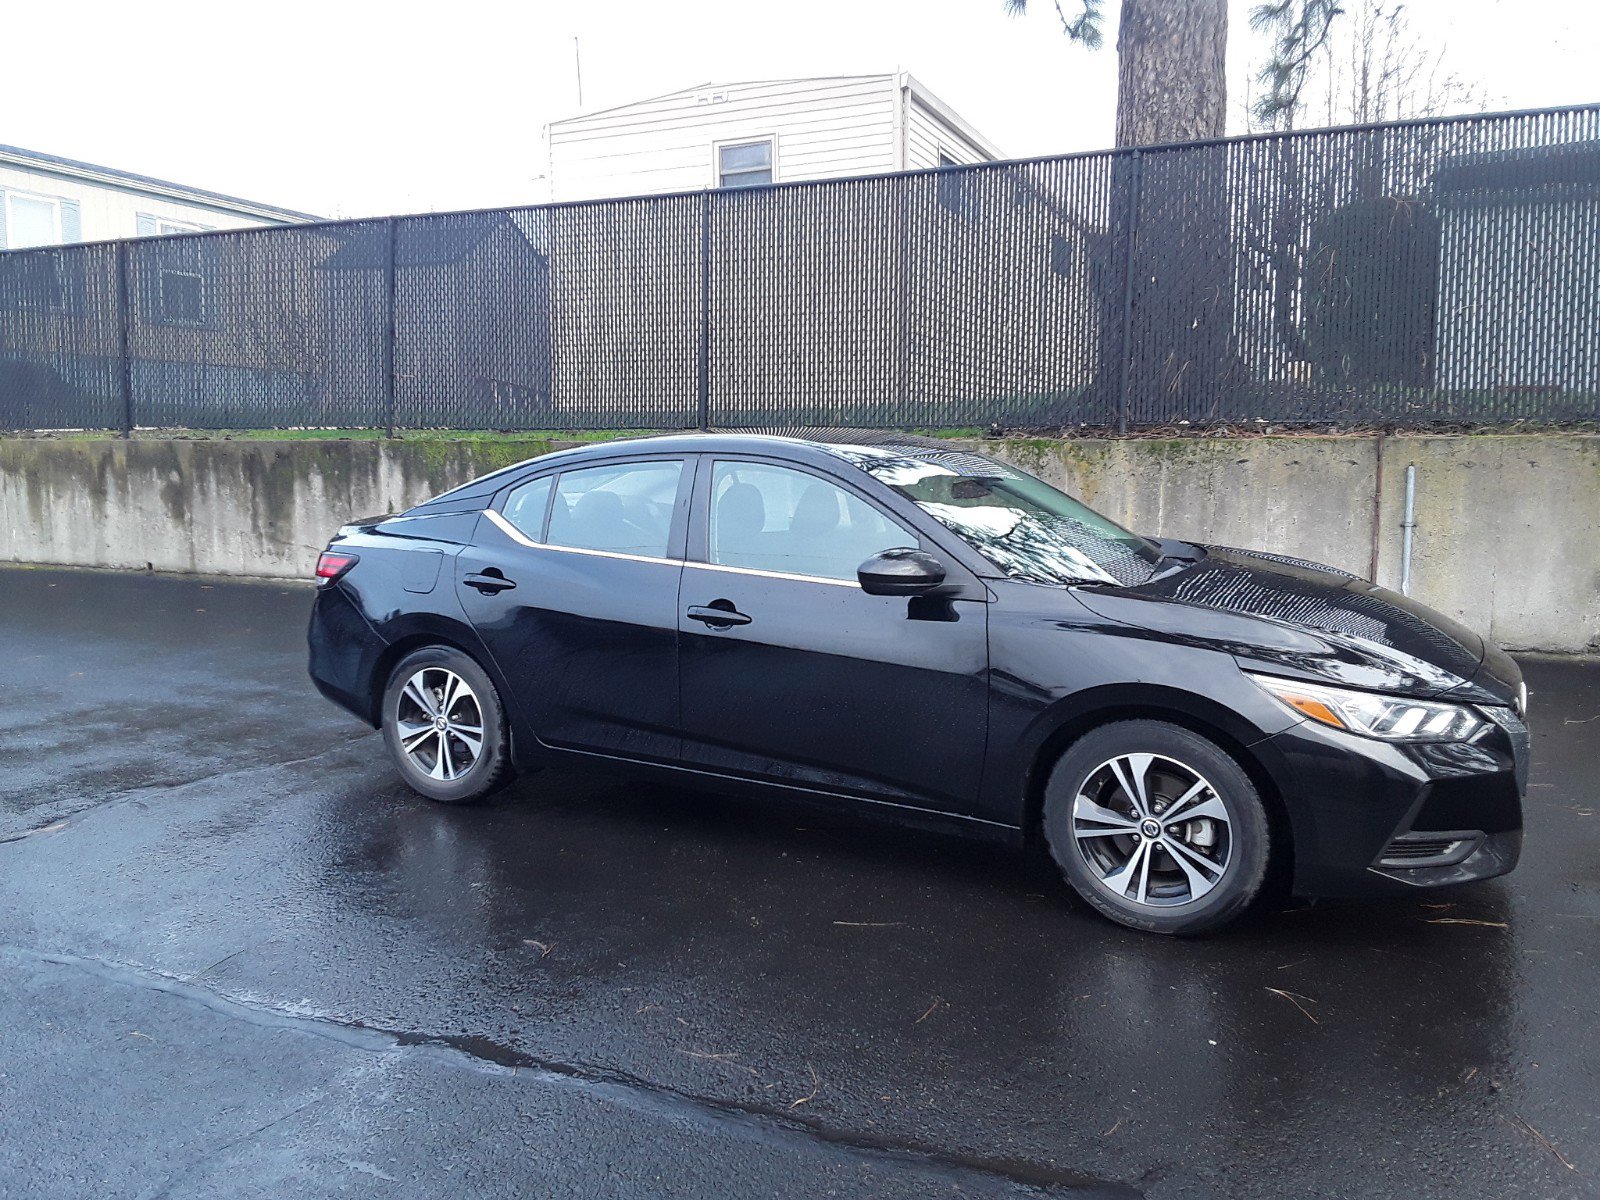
<point x="462" y="639"/>
<point x="1056" y="731"/>
<point x="396" y="650"/>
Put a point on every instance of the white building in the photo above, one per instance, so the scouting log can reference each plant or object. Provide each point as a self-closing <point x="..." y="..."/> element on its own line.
<point x="769" y="131"/>
<point x="46" y="200"/>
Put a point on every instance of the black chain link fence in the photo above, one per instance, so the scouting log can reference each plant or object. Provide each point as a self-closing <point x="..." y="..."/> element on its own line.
<point x="1428" y="271"/>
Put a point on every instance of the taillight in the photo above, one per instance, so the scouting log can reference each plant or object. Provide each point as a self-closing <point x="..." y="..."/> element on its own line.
<point x="332" y="565"/>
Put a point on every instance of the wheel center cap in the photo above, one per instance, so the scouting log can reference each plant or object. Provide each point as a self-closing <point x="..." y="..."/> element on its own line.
<point x="441" y="723"/>
<point x="1150" y="827"/>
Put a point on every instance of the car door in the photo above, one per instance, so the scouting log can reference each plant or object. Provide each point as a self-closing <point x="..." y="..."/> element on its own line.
<point x="791" y="673"/>
<point x="572" y="583"/>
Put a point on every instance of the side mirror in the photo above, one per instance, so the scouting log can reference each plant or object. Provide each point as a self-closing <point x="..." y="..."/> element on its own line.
<point x="903" y="571"/>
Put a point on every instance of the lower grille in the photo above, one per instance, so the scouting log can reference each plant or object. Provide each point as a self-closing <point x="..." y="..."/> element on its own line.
<point x="1429" y="850"/>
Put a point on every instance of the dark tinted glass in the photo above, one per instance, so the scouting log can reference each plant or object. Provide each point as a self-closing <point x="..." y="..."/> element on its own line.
<point x="776" y="519"/>
<point x="626" y="508"/>
<point x="525" y="507"/>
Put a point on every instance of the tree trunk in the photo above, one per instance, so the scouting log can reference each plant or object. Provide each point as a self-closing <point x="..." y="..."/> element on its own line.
<point x="1171" y="85"/>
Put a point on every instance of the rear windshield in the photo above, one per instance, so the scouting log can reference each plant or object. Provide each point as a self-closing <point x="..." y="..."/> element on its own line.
<point x="1021" y="524"/>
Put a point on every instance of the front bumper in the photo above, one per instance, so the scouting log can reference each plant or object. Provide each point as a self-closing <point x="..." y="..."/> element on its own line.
<point x="1372" y="818"/>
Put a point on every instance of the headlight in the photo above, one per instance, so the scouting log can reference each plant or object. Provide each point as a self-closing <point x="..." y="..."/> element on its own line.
<point x="1393" y="718"/>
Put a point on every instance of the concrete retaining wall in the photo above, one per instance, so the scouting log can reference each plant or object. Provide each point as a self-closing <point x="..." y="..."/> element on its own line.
<point x="1507" y="527"/>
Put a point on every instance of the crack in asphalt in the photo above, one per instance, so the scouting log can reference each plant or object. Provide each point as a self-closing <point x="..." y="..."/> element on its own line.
<point x="481" y="1054"/>
<point x="61" y="819"/>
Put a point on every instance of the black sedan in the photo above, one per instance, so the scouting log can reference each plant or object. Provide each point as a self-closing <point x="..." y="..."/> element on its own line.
<point x="936" y="634"/>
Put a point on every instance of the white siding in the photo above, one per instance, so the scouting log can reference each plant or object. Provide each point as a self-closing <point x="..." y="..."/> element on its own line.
<point x="824" y="128"/>
<point x="928" y="135"/>
<point x="109" y="212"/>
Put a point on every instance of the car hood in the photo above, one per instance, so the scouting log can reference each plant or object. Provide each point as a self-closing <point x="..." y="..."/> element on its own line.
<point x="1297" y="618"/>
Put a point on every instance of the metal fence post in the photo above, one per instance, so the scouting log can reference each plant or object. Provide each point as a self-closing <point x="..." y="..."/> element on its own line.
<point x="1124" y="399"/>
<point x="705" y="310"/>
<point x="388" y="329"/>
<point x="124" y="320"/>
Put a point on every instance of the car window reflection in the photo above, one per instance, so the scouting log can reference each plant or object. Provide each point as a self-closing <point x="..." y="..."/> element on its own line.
<point x="626" y="509"/>
<point x="771" y="518"/>
<point x="1024" y="526"/>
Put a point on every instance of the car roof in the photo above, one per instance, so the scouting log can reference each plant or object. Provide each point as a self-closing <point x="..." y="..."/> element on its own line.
<point x="832" y="442"/>
<point x="745" y="440"/>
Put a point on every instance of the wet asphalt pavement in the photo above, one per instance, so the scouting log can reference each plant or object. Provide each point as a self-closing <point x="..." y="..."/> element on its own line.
<point x="238" y="958"/>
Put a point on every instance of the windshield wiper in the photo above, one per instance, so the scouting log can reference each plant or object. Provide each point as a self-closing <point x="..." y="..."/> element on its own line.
<point x="1175" y="556"/>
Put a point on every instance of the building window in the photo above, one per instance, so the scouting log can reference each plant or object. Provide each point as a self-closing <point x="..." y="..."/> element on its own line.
<point x="1063" y="256"/>
<point x="745" y="164"/>
<point x="32" y="221"/>
<point x="952" y="184"/>
<point x="178" y="280"/>
<point x="33" y="281"/>
<point x="183" y="297"/>
<point x="146" y="225"/>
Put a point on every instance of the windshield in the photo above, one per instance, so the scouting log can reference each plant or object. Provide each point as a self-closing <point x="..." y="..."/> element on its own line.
<point x="1021" y="524"/>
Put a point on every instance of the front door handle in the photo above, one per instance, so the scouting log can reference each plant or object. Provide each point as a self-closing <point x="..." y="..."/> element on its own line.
<point x="489" y="582"/>
<point x="717" y="616"/>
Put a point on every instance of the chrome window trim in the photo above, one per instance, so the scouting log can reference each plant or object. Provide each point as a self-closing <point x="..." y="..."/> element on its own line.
<point x="705" y="566"/>
<point x="854" y="492"/>
<point x="522" y="539"/>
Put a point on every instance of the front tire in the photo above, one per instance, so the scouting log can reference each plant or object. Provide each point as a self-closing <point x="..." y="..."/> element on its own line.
<point x="444" y="726"/>
<point x="1157" y="828"/>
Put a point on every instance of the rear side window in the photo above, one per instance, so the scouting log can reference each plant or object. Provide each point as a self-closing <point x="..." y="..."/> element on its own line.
<point x="625" y="508"/>
<point x="771" y="518"/>
<point x="526" y="506"/>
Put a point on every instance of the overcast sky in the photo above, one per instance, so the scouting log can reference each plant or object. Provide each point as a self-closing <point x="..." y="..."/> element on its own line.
<point x="347" y="109"/>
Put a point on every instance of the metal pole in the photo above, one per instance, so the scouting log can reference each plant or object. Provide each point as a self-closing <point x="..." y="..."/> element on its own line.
<point x="125" y="311"/>
<point x="1406" y="526"/>
<point x="388" y="333"/>
<point x="705" y="310"/>
<point x="1134" y="171"/>
<point x="1377" y="509"/>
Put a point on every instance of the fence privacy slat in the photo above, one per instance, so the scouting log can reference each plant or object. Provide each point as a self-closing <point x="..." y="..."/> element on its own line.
<point x="1419" y="272"/>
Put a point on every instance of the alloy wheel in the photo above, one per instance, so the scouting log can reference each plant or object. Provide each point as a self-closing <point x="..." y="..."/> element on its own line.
<point x="440" y="723"/>
<point x="1152" y="830"/>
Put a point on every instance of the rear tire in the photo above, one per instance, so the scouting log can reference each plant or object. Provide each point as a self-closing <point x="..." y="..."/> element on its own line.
<point x="445" y="727"/>
<point x="1157" y="828"/>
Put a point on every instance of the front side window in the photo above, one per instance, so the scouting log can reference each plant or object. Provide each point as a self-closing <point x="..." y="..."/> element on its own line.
<point x="744" y="164"/>
<point x="32" y="221"/>
<point x="1024" y="526"/>
<point x="625" y="508"/>
<point x="770" y="518"/>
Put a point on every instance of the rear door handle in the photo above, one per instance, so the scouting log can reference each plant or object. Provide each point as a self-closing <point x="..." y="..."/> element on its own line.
<point x="717" y="618"/>
<point x="489" y="582"/>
